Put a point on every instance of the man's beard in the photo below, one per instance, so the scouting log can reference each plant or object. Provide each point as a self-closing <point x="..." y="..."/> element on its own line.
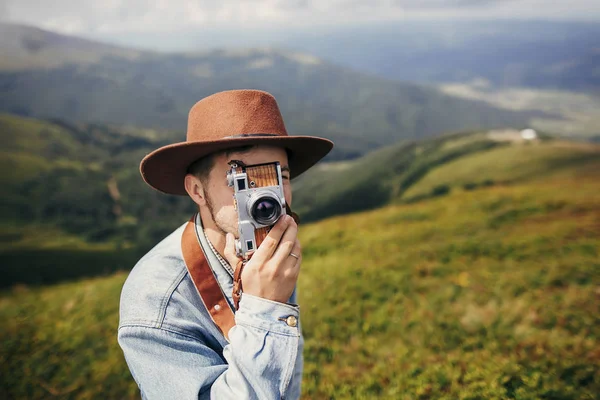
<point x="218" y="220"/>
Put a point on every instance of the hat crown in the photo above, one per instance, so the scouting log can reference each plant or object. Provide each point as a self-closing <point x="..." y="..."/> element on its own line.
<point x="235" y="113"/>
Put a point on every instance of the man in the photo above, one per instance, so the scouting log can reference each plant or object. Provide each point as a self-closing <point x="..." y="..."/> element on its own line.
<point x="176" y="339"/>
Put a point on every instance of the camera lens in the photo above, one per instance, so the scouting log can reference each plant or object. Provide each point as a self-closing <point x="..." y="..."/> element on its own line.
<point x="266" y="210"/>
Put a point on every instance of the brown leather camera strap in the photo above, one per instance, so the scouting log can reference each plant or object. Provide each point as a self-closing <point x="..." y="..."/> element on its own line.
<point x="205" y="281"/>
<point x="237" y="284"/>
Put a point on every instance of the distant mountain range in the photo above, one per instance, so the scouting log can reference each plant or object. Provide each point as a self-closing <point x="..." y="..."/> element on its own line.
<point x="504" y="53"/>
<point x="43" y="74"/>
<point x="26" y="48"/>
<point x="540" y="54"/>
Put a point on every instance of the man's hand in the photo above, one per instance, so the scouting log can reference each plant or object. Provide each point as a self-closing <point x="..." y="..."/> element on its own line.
<point x="272" y="272"/>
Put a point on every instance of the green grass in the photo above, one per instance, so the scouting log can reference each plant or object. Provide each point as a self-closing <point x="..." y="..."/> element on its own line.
<point x="27" y="165"/>
<point x="70" y="181"/>
<point x="39" y="266"/>
<point x="43" y="254"/>
<point x="516" y="163"/>
<point x="413" y="171"/>
<point x="378" y="177"/>
<point x="60" y="342"/>
<point x="490" y="293"/>
<point x="484" y="294"/>
<point x="30" y="147"/>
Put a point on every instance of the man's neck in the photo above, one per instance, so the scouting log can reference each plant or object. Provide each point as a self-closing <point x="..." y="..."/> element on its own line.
<point x="215" y="236"/>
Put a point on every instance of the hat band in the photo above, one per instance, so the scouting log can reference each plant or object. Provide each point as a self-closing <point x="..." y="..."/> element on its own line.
<point x="251" y="135"/>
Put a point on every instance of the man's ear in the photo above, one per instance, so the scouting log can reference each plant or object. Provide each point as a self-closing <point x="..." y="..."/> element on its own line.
<point x="195" y="189"/>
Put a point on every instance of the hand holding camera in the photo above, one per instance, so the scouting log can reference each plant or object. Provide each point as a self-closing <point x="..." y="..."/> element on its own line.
<point x="267" y="243"/>
<point x="273" y="270"/>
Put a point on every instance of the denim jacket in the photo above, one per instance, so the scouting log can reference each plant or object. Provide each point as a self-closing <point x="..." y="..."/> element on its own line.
<point x="175" y="351"/>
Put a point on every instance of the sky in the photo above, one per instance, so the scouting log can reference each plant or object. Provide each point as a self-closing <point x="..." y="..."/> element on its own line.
<point x="132" y="20"/>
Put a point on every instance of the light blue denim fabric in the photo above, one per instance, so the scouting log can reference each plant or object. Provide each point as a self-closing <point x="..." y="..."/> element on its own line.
<point x="175" y="351"/>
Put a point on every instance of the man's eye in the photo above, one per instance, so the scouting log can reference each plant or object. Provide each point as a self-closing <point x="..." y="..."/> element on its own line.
<point x="285" y="177"/>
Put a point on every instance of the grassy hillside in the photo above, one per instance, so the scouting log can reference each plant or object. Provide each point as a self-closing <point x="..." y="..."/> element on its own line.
<point x="486" y="293"/>
<point x="378" y="177"/>
<point x="490" y="293"/>
<point x="359" y="112"/>
<point x="79" y="183"/>
<point x="509" y="164"/>
<point x="76" y="187"/>
<point x="411" y="171"/>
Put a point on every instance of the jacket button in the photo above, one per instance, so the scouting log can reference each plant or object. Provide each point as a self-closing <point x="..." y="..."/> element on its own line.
<point x="291" y="321"/>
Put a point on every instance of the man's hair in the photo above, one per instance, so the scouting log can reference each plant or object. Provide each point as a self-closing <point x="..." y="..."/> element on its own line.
<point x="201" y="167"/>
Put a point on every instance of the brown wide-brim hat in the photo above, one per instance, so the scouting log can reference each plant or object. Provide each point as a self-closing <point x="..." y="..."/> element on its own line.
<point x="227" y="120"/>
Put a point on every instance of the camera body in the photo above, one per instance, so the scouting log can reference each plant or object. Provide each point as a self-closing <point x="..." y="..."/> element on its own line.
<point x="259" y="200"/>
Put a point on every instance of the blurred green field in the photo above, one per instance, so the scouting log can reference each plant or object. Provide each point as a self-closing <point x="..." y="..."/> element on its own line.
<point x="511" y="164"/>
<point x="70" y="185"/>
<point x="491" y="293"/>
<point x="413" y="171"/>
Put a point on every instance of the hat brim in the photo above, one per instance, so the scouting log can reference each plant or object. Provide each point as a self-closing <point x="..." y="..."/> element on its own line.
<point x="165" y="168"/>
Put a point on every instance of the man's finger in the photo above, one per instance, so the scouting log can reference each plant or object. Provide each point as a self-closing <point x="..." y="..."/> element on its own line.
<point x="268" y="246"/>
<point x="291" y="265"/>
<point x="286" y="245"/>
<point x="229" y="251"/>
<point x="297" y="251"/>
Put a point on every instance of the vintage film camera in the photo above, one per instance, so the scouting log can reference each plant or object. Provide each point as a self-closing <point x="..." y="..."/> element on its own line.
<point x="259" y="201"/>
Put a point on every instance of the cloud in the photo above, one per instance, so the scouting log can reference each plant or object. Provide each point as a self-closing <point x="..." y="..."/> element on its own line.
<point x="137" y="16"/>
<point x="448" y="4"/>
<point x="3" y="10"/>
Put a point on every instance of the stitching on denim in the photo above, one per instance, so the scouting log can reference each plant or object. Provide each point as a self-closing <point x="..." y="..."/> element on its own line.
<point x="137" y="322"/>
<point x="175" y="328"/>
<point x="162" y="311"/>
<point x="290" y="369"/>
<point x="167" y="327"/>
<point x="164" y="330"/>
<point x="262" y="328"/>
<point x="291" y="307"/>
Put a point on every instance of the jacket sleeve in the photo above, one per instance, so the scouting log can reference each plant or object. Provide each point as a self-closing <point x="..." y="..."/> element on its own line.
<point x="262" y="361"/>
